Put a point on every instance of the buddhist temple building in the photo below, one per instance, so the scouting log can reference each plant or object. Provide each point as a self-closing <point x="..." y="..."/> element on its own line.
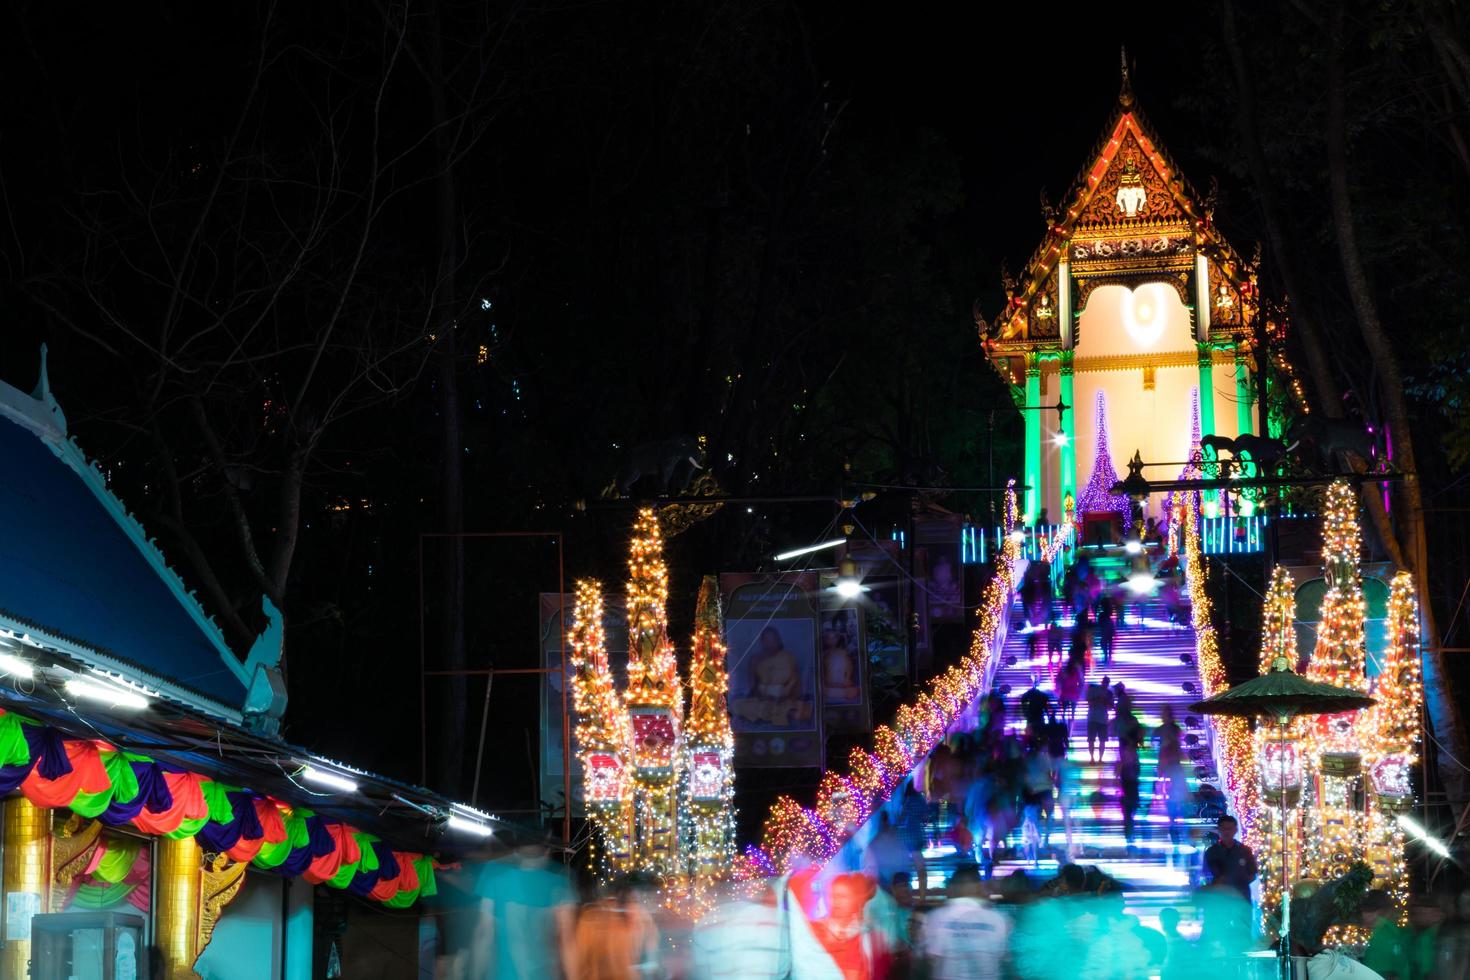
<point x="1137" y="314"/>
<point x="154" y="822"/>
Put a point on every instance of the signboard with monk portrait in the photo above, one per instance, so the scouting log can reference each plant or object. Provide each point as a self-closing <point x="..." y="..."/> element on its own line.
<point x="775" y="685"/>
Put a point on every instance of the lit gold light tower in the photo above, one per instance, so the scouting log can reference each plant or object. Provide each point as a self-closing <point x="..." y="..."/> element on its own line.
<point x="655" y="701"/>
<point x="709" y="746"/>
<point x="1335" y="825"/>
<point x="603" y="739"/>
<point x="658" y="791"/>
<point x="1280" y="758"/>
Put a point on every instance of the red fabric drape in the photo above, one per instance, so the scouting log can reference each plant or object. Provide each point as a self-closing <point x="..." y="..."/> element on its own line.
<point x="273" y="831"/>
<point x="407" y="880"/>
<point x="189" y="804"/>
<point x="346" y="852"/>
<point x="88" y="775"/>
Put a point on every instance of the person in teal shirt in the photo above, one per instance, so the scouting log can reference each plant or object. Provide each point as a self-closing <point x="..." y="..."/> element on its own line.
<point x="526" y="904"/>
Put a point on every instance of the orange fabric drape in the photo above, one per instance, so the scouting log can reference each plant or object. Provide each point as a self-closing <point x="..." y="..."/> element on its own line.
<point x="273" y="831"/>
<point x="346" y="852"/>
<point x="407" y="880"/>
<point x="88" y="775"/>
<point x="189" y="804"/>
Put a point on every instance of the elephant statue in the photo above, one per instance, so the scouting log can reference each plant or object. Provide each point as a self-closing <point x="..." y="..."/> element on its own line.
<point x="1262" y="451"/>
<point x="672" y="462"/>
<point x="1328" y="437"/>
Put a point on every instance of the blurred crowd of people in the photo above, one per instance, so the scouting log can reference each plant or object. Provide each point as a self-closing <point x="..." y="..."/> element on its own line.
<point x="522" y="916"/>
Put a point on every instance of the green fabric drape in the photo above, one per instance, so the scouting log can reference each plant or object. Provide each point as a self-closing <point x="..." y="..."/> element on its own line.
<point x="124" y="788"/>
<point x="98" y="898"/>
<point x="14" y="751"/>
<point x="427" y="886"/>
<point x="272" y="855"/>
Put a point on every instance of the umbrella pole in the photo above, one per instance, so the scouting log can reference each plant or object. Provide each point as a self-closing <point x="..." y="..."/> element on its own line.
<point x="1285" y="859"/>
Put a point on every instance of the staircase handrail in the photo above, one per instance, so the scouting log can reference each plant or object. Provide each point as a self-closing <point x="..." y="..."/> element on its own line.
<point x="793" y="833"/>
<point x="1229" y="737"/>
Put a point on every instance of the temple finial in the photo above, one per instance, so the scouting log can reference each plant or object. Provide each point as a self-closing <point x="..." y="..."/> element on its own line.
<point x="1125" y="94"/>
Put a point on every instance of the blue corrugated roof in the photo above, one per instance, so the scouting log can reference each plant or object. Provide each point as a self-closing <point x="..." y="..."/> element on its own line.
<point x="67" y="566"/>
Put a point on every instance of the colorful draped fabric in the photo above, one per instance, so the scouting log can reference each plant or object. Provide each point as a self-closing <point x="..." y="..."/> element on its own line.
<point x="119" y="870"/>
<point x="100" y="782"/>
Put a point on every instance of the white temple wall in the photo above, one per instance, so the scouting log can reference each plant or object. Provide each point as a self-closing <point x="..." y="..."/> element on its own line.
<point x="1115" y="347"/>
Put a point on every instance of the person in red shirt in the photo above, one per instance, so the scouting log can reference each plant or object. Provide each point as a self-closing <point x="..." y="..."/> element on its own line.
<point x="858" y="952"/>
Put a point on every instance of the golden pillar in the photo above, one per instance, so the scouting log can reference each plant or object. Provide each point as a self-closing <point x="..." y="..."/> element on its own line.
<point x="27" y="871"/>
<point x="176" y="906"/>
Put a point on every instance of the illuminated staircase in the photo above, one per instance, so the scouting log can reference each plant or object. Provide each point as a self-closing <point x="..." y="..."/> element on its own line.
<point x="1155" y="661"/>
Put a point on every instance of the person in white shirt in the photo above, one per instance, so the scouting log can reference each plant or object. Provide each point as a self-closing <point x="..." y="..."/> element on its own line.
<point x="965" y="938"/>
<point x="742" y="937"/>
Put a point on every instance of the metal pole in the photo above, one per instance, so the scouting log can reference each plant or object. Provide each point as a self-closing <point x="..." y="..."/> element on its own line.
<point x="488" y="673"/>
<point x="566" y="715"/>
<point x="1285" y="861"/>
<point x="423" y="680"/>
<point x="480" y="751"/>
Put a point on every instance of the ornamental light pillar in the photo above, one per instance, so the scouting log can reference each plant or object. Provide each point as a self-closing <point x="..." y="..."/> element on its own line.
<point x="1068" y="460"/>
<point x="1032" y="415"/>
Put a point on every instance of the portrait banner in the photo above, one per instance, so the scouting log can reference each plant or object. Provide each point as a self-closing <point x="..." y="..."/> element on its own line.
<point x="771" y="659"/>
<point x="841" y="660"/>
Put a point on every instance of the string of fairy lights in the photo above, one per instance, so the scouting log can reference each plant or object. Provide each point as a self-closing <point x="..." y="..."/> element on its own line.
<point x="659" y="791"/>
<point x="794" y="834"/>
<point x="1233" y="737"/>
<point x="709" y="750"/>
<point x="1344" y="778"/>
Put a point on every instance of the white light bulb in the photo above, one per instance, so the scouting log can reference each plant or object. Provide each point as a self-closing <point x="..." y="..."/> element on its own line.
<point x="332" y="780"/>
<point x="467" y="826"/>
<point x="16" y="667"/>
<point x="106" y="694"/>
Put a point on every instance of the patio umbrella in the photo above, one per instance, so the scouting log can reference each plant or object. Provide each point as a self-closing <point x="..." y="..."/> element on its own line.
<point x="1281" y="694"/>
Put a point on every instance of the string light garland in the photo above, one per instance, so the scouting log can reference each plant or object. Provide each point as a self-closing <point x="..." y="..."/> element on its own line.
<point x="1065" y="534"/>
<point x="1278" y="755"/>
<point x="709" y="750"/>
<point x="659" y="791"/>
<point x="1232" y="735"/>
<point x="794" y="834"/>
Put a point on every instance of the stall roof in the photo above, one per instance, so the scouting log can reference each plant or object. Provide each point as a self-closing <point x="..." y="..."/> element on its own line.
<point x="78" y="570"/>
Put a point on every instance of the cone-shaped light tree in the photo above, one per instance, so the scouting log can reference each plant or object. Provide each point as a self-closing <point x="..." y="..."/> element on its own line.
<point x="709" y="745"/>
<point x="1278" y="753"/>
<point x="658" y="790"/>
<point x="1098" y="494"/>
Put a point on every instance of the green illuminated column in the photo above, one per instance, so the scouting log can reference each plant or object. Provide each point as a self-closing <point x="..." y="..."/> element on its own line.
<point x="1068" y="461"/>
<point x="1210" y="499"/>
<point x="1244" y="393"/>
<point x="1206" y="391"/>
<point x="1033" y="437"/>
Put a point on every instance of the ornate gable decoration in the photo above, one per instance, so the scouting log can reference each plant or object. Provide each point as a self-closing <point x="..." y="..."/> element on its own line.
<point x="1129" y="213"/>
<point x="1131" y="187"/>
